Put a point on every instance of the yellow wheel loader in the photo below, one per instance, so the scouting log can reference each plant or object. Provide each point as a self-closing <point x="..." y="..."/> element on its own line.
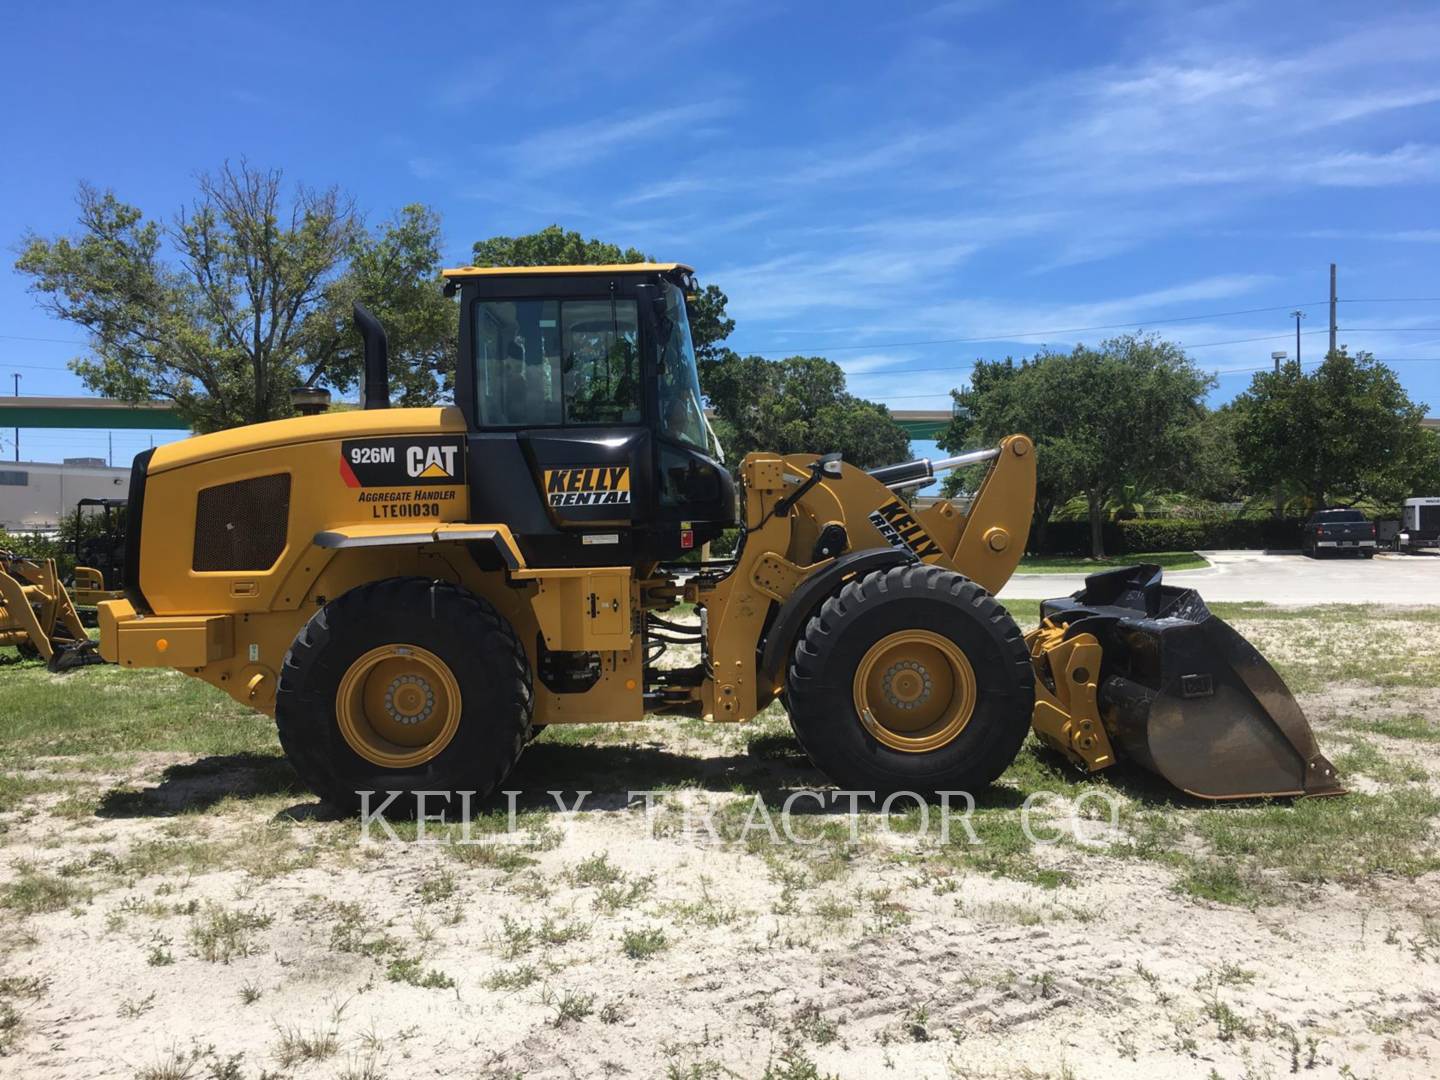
<point x="412" y="592"/>
<point x="37" y="616"/>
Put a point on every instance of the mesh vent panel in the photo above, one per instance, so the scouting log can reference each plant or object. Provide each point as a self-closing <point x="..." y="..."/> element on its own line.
<point x="242" y="526"/>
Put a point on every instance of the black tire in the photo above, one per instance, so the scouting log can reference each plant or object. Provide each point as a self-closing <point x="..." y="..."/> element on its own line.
<point x="820" y="681"/>
<point x="473" y="640"/>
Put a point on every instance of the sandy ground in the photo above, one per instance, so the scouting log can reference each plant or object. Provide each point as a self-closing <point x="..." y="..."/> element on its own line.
<point x="871" y="960"/>
<point x="1279" y="579"/>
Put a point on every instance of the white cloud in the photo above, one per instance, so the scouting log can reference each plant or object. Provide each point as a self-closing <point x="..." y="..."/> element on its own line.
<point x="560" y="148"/>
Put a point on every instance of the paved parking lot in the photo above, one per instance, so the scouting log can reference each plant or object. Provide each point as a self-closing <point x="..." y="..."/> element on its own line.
<point x="1280" y="579"/>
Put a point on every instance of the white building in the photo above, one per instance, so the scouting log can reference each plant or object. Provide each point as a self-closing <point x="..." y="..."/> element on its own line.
<point x="36" y="495"/>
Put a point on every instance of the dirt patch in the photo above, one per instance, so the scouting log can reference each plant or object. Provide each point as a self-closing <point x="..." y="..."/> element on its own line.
<point x="206" y="925"/>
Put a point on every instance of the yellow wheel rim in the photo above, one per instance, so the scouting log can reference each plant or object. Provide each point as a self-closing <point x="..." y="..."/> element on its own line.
<point x="398" y="706"/>
<point x="914" y="690"/>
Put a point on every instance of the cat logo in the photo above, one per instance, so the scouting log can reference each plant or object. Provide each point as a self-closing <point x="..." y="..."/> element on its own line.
<point x="431" y="462"/>
<point x="900" y="530"/>
<point x="402" y="462"/>
<point x="598" y="485"/>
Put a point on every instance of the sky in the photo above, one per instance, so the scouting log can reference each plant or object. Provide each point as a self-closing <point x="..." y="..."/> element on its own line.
<point x="900" y="187"/>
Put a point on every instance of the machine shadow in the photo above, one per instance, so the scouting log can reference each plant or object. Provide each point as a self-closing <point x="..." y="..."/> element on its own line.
<point x="201" y="784"/>
<point x="616" y="776"/>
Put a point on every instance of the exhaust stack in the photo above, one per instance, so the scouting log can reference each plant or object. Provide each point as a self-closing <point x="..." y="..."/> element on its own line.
<point x="377" y="359"/>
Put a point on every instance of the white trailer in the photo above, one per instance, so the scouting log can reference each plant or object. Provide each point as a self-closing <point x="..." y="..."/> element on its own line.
<point x="36" y="496"/>
<point x="1419" y="524"/>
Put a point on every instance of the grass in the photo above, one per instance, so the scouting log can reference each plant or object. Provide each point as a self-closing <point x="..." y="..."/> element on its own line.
<point x="1080" y="564"/>
<point x="109" y="710"/>
<point x="35" y="891"/>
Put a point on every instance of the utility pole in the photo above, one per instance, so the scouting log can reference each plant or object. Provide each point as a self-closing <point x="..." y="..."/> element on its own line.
<point x="1297" y="315"/>
<point x="1332" y="309"/>
<point x="1279" y="358"/>
<point x="16" y="377"/>
<point x="110" y="448"/>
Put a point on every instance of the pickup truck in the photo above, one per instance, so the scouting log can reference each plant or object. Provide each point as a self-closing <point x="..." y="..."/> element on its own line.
<point x="1338" y="530"/>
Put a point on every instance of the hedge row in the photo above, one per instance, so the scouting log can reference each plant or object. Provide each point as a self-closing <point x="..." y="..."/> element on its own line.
<point x="1169" y="534"/>
<point x="1141" y="534"/>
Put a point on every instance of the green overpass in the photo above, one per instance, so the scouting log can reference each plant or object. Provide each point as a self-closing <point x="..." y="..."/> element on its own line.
<point x="107" y="414"/>
<point x="75" y="412"/>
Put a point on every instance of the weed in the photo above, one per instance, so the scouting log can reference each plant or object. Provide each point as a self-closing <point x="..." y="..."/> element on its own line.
<point x="568" y="1006"/>
<point x="596" y="870"/>
<point x="173" y="1066"/>
<point x="361" y="1068"/>
<point x="411" y="970"/>
<point x="296" y="1046"/>
<point x="1228" y="1023"/>
<point x="615" y="895"/>
<point x="440" y="887"/>
<point x="643" y="943"/>
<point x="793" y="1065"/>
<point x="516" y="978"/>
<point x="518" y="938"/>
<point x="812" y="1024"/>
<point x="130" y="1008"/>
<point x="160" y="954"/>
<point x="218" y="935"/>
<point x="916" y="1023"/>
<point x="11" y="1027"/>
<point x="497" y="856"/>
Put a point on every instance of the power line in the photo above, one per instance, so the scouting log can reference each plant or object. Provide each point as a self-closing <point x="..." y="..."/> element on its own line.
<point x="52" y="340"/>
<point x="1218" y="372"/>
<point x="1016" y="335"/>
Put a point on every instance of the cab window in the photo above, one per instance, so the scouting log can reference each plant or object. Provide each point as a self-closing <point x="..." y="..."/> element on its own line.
<point x="549" y="362"/>
<point x="682" y="412"/>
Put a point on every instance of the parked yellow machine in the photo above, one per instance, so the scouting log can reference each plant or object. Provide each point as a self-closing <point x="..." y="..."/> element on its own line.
<point x="411" y="592"/>
<point x="37" y="616"/>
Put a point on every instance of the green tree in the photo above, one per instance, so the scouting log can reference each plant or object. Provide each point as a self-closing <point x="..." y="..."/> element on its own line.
<point x="1102" y="419"/>
<point x="1213" y="465"/>
<point x="798" y="405"/>
<point x="1345" y="432"/>
<point x="237" y="299"/>
<point x="554" y="246"/>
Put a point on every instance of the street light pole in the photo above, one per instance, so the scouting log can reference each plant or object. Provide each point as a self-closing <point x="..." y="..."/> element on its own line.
<point x="16" y="377"/>
<point x="1297" y="315"/>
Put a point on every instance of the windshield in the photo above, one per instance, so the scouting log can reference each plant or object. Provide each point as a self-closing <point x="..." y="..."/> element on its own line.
<point x="682" y="414"/>
<point x="557" y="362"/>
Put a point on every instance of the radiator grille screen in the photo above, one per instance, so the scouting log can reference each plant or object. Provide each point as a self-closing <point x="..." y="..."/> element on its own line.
<point x="242" y="526"/>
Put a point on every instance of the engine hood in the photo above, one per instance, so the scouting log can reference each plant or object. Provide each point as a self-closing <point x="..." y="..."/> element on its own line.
<point x="358" y="423"/>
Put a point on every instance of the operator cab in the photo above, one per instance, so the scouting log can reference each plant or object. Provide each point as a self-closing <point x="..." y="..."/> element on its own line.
<point x="587" y="428"/>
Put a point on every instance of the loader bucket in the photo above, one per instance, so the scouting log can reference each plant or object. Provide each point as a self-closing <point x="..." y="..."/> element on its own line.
<point x="1186" y="696"/>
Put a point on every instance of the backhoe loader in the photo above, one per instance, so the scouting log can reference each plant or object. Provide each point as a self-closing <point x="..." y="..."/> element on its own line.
<point x="412" y="592"/>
